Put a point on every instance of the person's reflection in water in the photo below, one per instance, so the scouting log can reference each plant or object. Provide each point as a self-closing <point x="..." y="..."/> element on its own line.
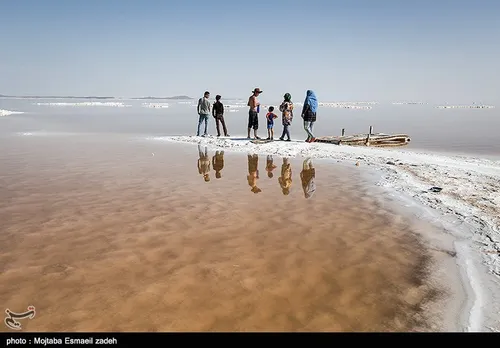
<point x="307" y="176"/>
<point x="253" y="172"/>
<point x="218" y="163"/>
<point x="204" y="163"/>
<point x="285" y="179"/>
<point x="270" y="166"/>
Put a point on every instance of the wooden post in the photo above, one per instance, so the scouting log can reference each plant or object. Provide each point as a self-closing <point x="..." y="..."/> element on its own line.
<point x="343" y="131"/>
<point x="367" y="142"/>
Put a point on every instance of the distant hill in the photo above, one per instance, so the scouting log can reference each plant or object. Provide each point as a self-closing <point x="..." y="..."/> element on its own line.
<point x="52" y="97"/>
<point x="177" y="97"/>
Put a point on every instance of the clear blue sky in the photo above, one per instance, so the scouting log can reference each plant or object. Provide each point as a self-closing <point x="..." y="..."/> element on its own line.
<point x="385" y="50"/>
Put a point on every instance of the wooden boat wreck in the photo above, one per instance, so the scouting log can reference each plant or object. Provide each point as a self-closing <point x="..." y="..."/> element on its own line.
<point x="370" y="139"/>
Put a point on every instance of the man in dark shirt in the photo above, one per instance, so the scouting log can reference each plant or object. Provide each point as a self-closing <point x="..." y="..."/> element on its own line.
<point x="218" y="114"/>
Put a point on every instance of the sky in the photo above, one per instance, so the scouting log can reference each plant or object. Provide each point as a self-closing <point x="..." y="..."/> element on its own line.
<point x="351" y="50"/>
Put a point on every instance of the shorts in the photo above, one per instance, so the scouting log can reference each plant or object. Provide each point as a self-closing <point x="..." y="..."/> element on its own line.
<point x="270" y="125"/>
<point x="253" y="120"/>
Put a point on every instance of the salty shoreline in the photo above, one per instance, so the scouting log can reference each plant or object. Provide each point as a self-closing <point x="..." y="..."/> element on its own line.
<point x="467" y="208"/>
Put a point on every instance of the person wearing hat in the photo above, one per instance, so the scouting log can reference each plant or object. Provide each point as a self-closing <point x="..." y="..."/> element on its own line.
<point x="253" y="172"/>
<point x="253" y="112"/>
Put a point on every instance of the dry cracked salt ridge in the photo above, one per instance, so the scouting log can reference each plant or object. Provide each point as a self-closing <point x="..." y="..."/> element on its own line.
<point x="471" y="196"/>
<point x="470" y="193"/>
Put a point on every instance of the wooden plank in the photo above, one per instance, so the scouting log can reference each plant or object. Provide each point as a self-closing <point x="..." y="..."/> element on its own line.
<point x="377" y="140"/>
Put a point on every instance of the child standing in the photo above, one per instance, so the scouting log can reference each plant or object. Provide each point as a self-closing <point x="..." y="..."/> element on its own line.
<point x="270" y="123"/>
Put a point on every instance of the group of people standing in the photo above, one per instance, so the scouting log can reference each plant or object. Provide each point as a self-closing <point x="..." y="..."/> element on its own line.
<point x="307" y="175"/>
<point x="286" y="108"/>
<point x="217" y="111"/>
<point x="308" y="114"/>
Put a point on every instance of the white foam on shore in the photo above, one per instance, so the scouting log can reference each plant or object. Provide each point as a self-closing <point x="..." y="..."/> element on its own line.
<point x="8" y="112"/>
<point x="465" y="106"/>
<point x="236" y="106"/>
<point x="409" y="103"/>
<point x="341" y="105"/>
<point x="468" y="207"/>
<point x="48" y="134"/>
<point x="109" y="104"/>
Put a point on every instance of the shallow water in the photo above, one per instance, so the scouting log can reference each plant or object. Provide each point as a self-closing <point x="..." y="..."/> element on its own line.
<point x="463" y="131"/>
<point x="105" y="234"/>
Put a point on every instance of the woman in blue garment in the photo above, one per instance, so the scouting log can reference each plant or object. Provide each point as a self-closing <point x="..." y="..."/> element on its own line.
<point x="309" y="114"/>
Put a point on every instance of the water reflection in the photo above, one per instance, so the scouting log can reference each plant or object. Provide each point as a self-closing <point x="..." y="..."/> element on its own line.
<point x="204" y="163"/>
<point x="307" y="176"/>
<point x="218" y="163"/>
<point x="253" y="172"/>
<point x="285" y="179"/>
<point x="270" y="166"/>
